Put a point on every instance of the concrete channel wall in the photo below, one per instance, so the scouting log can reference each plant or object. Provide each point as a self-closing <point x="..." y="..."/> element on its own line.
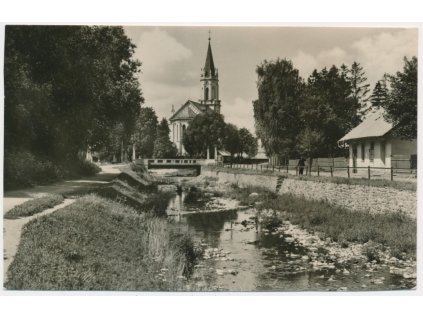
<point x="243" y="180"/>
<point x="353" y="197"/>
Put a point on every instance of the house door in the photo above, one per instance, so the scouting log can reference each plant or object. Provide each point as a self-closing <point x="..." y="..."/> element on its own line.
<point x="354" y="159"/>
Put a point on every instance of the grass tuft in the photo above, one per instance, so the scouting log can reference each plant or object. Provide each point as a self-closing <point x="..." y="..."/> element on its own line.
<point x="34" y="206"/>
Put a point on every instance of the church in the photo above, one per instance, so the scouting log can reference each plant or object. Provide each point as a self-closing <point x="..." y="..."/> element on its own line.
<point x="180" y="119"/>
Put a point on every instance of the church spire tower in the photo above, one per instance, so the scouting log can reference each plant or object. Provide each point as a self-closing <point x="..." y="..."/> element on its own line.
<point x="210" y="81"/>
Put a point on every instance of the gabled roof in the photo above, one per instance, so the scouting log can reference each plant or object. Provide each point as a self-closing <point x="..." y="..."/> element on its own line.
<point x="188" y="111"/>
<point x="374" y="125"/>
<point x="209" y="69"/>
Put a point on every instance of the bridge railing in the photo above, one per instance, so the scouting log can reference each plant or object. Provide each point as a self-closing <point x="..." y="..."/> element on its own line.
<point x="178" y="161"/>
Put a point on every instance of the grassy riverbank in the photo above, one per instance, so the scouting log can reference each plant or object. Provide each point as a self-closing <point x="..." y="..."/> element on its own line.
<point x="395" y="231"/>
<point x="100" y="244"/>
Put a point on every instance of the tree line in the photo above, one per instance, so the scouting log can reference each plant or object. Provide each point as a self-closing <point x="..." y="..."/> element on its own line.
<point x="296" y="117"/>
<point x="209" y="130"/>
<point x="67" y="88"/>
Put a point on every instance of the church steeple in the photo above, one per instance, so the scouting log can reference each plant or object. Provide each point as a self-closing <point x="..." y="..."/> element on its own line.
<point x="209" y="65"/>
<point x="210" y="80"/>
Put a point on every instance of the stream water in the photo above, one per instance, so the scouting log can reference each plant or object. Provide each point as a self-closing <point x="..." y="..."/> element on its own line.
<point x="240" y="255"/>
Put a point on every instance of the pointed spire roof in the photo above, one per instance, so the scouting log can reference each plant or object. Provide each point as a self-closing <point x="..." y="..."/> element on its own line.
<point x="209" y="69"/>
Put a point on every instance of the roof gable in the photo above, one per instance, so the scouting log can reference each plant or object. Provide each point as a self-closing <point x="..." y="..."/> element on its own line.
<point x="374" y="125"/>
<point x="188" y="111"/>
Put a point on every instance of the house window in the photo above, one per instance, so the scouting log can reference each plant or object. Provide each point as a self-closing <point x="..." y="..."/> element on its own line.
<point x="363" y="153"/>
<point x="372" y="151"/>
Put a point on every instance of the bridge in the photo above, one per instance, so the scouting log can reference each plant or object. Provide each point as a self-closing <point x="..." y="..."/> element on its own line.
<point x="177" y="163"/>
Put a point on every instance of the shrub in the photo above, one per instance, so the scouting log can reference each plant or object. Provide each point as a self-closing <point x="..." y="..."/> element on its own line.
<point x="86" y="168"/>
<point x="23" y="169"/>
<point x="34" y="206"/>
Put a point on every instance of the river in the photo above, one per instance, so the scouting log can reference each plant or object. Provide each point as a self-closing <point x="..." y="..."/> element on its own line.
<point x="240" y="255"/>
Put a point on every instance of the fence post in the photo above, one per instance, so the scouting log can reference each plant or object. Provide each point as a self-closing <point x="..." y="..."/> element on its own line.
<point x="348" y="170"/>
<point x="368" y="171"/>
<point x="273" y="167"/>
<point x="318" y="170"/>
<point x="279" y="168"/>
<point x="331" y="171"/>
<point x="392" y="173"/>
<point x="306" y="169"/>
<point x="296" y="170"/>
<point x="287" y="169"/>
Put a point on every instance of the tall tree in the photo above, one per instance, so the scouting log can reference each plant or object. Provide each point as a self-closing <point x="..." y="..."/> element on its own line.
<point x="205" y="131"/>
<point x="401" y="104"/>
<point x="276" y="109"/>
<point x="163" y="147"/>
<point x="248" y="143"/>
<point x="146" y="132"/>
<point x="328" y="112"/>
<point x="359" y="87"/>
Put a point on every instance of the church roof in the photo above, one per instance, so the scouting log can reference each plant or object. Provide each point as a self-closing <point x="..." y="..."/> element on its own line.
<point x="209" y="69"/>
<point x="374" y="125"/>
<point x="188" y="111"/>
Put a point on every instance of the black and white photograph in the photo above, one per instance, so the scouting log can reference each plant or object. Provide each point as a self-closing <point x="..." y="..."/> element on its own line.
<point x="210" y="158"/>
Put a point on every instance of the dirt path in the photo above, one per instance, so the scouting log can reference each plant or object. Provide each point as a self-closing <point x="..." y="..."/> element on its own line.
<point x="12" y="228"/>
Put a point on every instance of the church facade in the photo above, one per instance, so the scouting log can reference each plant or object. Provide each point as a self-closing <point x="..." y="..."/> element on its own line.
<point x="181" y="118"/>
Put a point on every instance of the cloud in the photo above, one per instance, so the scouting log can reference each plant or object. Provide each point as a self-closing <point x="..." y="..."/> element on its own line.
<point x="378" y="54"/>
<point x="240" y="113"/>
<point x="157" y="50"/>
<point x="384" y="52"/>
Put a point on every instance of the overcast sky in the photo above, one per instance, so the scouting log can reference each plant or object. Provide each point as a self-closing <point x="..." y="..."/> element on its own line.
<point x="172" y="58"/>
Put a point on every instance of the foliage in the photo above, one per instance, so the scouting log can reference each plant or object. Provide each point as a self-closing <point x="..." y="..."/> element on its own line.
<point x="248" y="143"/>
<point x="98" y="244"/>
<point x="329" y="111"/>
<point x="145" y="132"/>
<point x="205" y="131"/>
<point x="379" y="94"/>
<point x="401" y="104"/>
<point x="276" y="111"/>
<point x="359" y="87"/>
<point x="163" y="146"/>
<point x="34" y="206"/>
<point x="65" y="86"/>
<point x="231" y="140"/>
<point x="294" y="118"/>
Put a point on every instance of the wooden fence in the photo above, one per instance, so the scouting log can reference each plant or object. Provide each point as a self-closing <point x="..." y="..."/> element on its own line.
<point x="337" y="168"/>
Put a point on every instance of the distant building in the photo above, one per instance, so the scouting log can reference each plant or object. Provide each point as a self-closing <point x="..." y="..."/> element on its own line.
<point x="181" y="118"/>
<point x="372" y="144"/>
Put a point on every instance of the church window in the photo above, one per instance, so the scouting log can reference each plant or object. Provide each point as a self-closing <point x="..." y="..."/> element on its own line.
<point x="206" y="94"/>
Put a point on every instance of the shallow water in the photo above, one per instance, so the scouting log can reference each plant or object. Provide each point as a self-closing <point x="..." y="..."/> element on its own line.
<point x="241" y="256"/>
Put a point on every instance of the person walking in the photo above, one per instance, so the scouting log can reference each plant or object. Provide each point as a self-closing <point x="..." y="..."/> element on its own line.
<point x="301" y="164"/>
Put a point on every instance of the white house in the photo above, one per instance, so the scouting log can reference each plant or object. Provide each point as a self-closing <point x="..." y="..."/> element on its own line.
<point x="372" y="144"/>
